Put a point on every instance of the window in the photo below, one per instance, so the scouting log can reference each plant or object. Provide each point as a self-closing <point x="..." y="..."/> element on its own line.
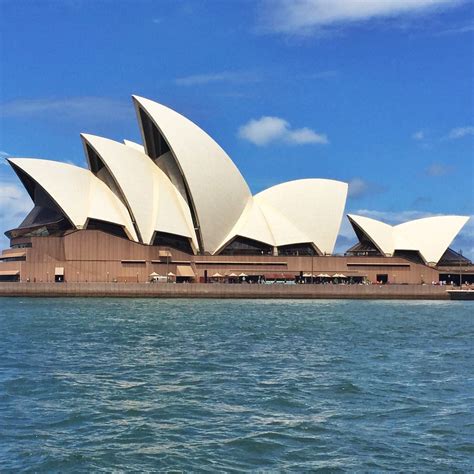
<point x="178" y="242"/>
<point x="243" y="246"/>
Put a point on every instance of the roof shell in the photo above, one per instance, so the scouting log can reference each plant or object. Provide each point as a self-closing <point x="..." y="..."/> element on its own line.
<point x="137" y="146"/>
<point x="218" y="192"/>
<point x="313" y="206"/>
<point x="379" y="232"/>
<point x="302" y="211"/>
<point x="153" y="201"/>
<point x="430" y="236"/>
<point x="79" y="194"/>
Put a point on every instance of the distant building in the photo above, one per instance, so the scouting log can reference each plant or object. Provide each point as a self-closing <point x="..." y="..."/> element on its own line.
<point x="178" y="205"/>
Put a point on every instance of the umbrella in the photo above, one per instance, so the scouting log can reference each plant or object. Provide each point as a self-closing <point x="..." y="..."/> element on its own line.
<point x="307" y="275"/>
<point x="342" y="276"/>
<point x="232" y="275"/>
<point x="243" y="275"/>
<point x="154" y="274"/>
<point x="171" y="274"/>
<point x="217" y="275"/>
<point x="323" y="275"/>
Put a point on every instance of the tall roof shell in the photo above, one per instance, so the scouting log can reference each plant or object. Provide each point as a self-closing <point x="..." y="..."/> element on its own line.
<point x="137" y="146"/>
<point x="79" y="194"/>
<point x="217" y="191"/>
<point x="153" y="201"/>
<point x="313" y="207"/>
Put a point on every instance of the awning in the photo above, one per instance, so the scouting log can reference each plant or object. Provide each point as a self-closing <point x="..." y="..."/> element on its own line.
<point x="59" y="271"/>
<point x="184" y="271"/>
<point x="13" y="255"/>
<point x="9" y="272"/>
<point x="164" y="253"/>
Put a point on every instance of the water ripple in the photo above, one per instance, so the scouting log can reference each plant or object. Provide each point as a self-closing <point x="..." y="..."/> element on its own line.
<point x="156" y="385"/>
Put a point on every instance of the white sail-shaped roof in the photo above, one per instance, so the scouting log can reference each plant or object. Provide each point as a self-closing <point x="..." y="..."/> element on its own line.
<point x="137" y="146"/>
<point x="152" y="200"/>
<point x="430" y="236"/>
<point x="312" y="206"/>
<point x="79" y="194"/>
<point x="217" y="192"/>
<point x="252" y="224"/>
<point x="380" y="233"/>
<point x="303" y="211"/>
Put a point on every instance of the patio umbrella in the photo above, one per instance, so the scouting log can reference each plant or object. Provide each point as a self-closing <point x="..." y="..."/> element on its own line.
<point x="243" y="275"/>
<point x="325" y="275"/>
<point x="217" y="275"/>
<point x="154" y="274"/>
<point x="171" y="274"/>
<point x="307" y="275"/>
<point x="232" y="275"/>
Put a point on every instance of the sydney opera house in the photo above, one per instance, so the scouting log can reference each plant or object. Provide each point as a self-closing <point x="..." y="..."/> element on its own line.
<point x="178" y="207"/>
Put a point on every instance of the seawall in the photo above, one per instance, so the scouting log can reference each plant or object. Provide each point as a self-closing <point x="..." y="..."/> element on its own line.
<point x="196" y="290"/>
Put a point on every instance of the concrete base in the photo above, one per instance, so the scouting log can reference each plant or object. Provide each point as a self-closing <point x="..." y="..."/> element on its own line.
<point x="196" y="290"/>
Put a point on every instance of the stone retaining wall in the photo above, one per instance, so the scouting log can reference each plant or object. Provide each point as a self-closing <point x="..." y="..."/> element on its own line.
<point x="195" y="290"/>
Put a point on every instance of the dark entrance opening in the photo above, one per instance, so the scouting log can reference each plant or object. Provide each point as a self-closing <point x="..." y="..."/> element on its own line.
<point x="177" y="242"/>
<point x="297" y="250"/>
<point x="107" y="227"/>
<point x="455" y="278"/>
<point x="10" y="278"/>
<point x="244" y="246"/>
<point x="382" y="278"/>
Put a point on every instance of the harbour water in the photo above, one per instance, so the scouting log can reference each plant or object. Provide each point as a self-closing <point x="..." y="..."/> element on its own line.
<point x="92" y="385"/>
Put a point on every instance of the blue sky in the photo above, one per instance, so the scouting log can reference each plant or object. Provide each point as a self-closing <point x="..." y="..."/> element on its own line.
<point x="378" y="93"/>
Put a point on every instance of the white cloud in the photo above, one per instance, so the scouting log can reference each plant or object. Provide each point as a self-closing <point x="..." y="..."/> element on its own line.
<point x="460" y="29"/>
<point x="73" y="107"/>
<point x="419" y="136"/>
<point x="266" y="129"/>
<point x="215" y="77"/>
<point x="359" y="188"/>
<point x="460" y="132"/>
<point x="15" y="203"/>
<point x="306" y="16"/>
<point x="437" y="169"/>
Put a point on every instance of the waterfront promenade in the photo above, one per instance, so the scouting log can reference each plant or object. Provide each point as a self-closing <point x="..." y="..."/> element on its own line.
<point x="220" y="290"/>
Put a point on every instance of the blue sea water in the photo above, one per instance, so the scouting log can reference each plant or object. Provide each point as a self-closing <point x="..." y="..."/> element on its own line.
<point x="90" y="385"/>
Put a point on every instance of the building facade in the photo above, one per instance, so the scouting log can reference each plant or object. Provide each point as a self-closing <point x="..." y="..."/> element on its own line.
<point x="178" y="206"/>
